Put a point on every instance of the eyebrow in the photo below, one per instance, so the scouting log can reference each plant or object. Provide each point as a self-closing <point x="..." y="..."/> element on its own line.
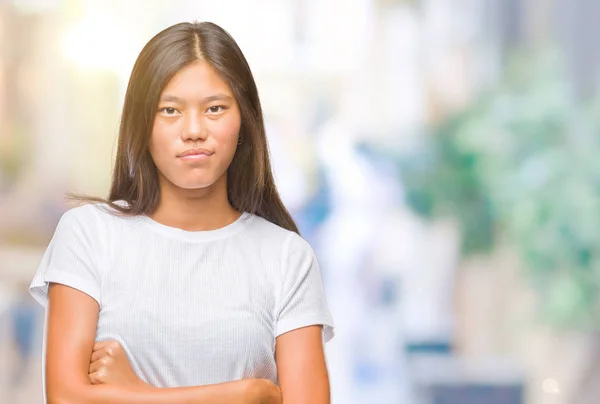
<point x="210" y="98"/>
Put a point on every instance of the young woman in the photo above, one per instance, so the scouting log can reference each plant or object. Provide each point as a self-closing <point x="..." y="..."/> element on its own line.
<point x="190" y="283"/>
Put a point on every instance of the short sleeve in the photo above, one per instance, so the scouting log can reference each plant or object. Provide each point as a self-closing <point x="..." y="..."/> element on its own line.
<point x="302" y="300"/>
<point x="68" y="260"/>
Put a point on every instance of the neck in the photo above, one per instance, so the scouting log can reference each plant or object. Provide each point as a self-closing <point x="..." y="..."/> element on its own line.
<point x="197" y="209"/>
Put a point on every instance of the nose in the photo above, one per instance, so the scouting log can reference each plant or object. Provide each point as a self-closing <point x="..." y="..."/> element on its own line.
<point x="194" y="128"/>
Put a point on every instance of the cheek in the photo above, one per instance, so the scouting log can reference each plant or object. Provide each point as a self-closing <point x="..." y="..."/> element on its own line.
<point x="163" y="132"/>
<point x="226" y="134"/>
<point x="161" y="143"/>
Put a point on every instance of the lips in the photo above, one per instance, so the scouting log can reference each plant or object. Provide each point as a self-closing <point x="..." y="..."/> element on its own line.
<point x="196" y="152"/>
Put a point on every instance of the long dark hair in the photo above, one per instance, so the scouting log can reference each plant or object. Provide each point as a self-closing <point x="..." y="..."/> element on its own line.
<point x="250" y="184"/>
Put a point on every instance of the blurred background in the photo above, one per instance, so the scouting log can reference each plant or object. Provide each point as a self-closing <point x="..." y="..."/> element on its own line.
<point x="439" y="155"/>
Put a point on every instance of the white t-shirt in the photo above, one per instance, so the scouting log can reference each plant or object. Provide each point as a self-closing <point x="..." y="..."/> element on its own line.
<point x="190" y="308"/>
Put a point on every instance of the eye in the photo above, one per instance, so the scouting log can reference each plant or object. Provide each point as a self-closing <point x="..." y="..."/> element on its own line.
<point x="216" y="109"/>
<point x="168" y="110"/>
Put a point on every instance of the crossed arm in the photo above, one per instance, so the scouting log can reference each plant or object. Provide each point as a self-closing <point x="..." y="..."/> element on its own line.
<point x="71" y="330"/>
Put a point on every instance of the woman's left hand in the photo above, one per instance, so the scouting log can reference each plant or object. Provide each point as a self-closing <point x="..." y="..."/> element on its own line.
<point x="109" y="365"/>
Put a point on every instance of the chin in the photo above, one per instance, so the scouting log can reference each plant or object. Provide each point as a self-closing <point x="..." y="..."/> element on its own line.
<point x="193" y="185"/>
<point x="192" y="182"/>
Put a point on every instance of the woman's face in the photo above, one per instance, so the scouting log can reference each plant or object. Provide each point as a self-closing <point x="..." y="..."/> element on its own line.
<point x="196" y="128"/>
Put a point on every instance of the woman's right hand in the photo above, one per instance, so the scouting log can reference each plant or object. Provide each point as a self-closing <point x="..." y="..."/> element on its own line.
<point x="262" y="391"/>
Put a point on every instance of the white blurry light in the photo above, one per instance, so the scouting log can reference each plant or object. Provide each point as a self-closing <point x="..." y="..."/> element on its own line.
<point x="550" y="386"/>
<point x="36" y="6"/>
<point x="97" y="43"/>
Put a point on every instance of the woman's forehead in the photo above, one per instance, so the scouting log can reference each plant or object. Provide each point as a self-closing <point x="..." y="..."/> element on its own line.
<point x="196" y="81"/>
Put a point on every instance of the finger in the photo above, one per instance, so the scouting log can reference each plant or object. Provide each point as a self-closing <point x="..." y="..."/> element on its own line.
<point x="107" y="351"/>
<point x="111" y="348"/>
<point x="100" y="344"/>
<point x="97" y="377"/>
<point x="104" y="344"/>
<point x="100" y="364"/>
<point x="98" y="354"/>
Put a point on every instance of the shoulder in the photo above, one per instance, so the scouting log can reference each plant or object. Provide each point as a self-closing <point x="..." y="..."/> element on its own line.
<point x="269" y="232"/>
<point x="90" y="217"/>
<point x="298" y="253"/>
<point x="292" y="248"/>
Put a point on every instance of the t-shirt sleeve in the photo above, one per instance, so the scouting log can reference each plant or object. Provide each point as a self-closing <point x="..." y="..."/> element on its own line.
<point x="69" y="260"/>
<point x="302" y="299"/>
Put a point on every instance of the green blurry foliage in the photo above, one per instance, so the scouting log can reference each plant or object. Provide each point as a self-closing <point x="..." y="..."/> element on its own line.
<point x="522" y="165"/>
<point x="13" y="148"/>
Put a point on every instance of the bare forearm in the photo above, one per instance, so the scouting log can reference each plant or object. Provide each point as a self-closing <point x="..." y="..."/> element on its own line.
<point x="224" y="393"/>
